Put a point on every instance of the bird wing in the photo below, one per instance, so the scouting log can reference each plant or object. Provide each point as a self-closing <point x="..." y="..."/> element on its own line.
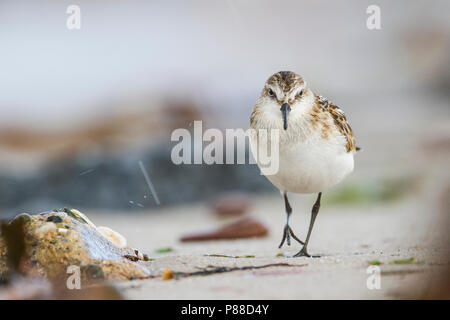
<point x="340" y="121"/>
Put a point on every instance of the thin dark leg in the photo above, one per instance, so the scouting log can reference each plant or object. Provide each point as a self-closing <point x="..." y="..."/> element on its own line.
<point x="314" y="212"/>
<point x="287" y="232"/>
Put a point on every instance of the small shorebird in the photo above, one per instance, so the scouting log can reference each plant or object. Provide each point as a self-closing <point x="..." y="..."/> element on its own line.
<point x="316" y="143"/>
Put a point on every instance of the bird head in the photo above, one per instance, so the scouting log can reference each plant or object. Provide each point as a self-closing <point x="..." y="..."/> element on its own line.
<point x="284" y="93"/>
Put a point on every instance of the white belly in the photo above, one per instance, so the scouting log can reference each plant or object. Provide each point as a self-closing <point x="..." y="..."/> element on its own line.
<point x="312" y="166"/>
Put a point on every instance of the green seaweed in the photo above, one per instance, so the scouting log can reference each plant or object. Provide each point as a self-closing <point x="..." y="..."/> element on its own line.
<point x="75" y="216"/>
<point x="403" y="261"/>
<point x="164" y="250"/>
<point x="374" y="262"/>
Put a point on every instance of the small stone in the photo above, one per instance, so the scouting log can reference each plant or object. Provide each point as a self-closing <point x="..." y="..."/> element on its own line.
<point x="231" y="204"/>
<point x="131" y="258"/>
<point x="146" y="257"/>
<point x="167" y="274"/>
<point x="54" y="219"/>
<point x="139" y="254"/>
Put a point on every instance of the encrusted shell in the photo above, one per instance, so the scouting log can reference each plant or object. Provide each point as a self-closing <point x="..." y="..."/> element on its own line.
<point x="116" y="238"/>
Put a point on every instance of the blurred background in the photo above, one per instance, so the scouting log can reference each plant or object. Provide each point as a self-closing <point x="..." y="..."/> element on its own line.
<point x="80" y="108"/>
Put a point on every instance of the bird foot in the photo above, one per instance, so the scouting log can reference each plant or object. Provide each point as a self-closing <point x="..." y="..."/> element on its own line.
<point x="287" y="233"/>
<point x="304" y="253"/>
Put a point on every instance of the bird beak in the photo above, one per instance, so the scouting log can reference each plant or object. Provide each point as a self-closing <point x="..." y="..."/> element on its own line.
<point x="285" y="108"/>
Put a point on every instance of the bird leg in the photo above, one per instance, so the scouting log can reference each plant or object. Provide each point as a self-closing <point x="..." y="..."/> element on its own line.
<point x="314" y="212"/>
<point x="287" y="232"/>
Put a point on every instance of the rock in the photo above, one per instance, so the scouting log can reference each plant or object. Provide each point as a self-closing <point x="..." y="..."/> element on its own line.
<point x="231" y="204"/>
<point x="244" y="228"/>
<point x="54" y="241"/>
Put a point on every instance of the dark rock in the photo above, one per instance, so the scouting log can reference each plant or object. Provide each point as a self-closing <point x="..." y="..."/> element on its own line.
<point x="55" y="219"/>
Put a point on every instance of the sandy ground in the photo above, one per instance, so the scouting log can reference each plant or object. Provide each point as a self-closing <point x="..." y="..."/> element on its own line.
<point x="346" y="237"/>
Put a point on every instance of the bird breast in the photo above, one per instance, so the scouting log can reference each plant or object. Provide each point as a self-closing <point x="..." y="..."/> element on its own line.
<point x="309" y="161"/>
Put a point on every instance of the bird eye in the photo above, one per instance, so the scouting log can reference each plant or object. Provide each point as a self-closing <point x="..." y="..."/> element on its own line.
<point x="271" y="93"/>
<point x="299" y="94"/>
